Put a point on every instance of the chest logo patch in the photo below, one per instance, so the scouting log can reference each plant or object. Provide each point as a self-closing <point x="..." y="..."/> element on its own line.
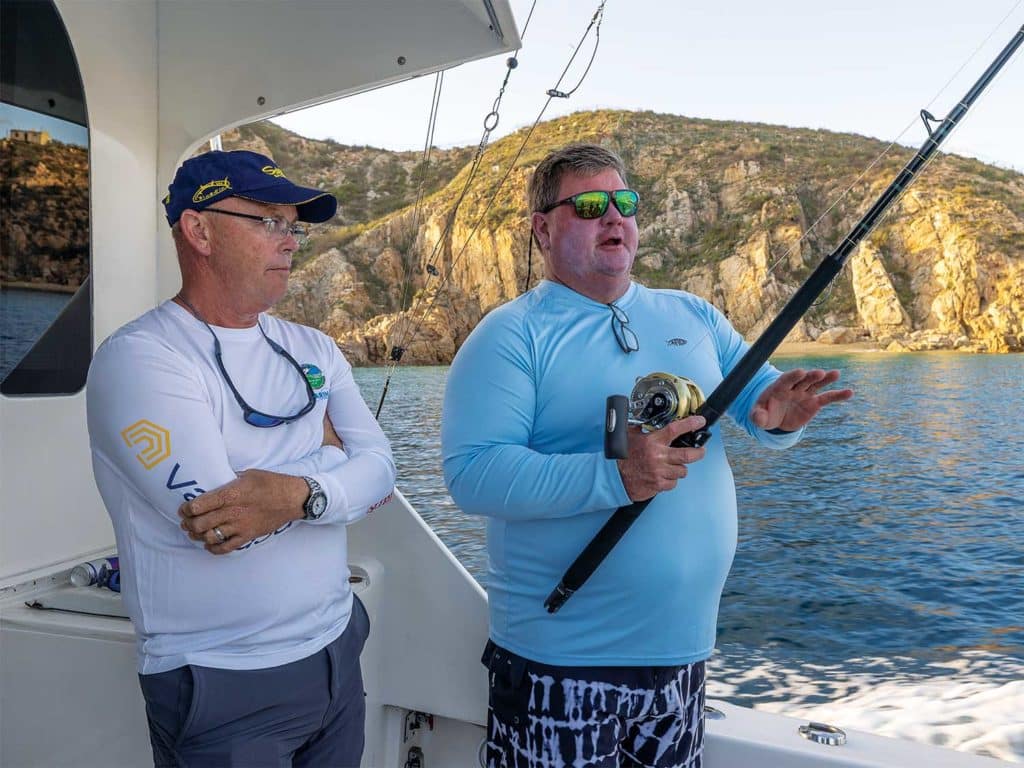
<point x="676" y="342"/>
<point x="314" y="376"/>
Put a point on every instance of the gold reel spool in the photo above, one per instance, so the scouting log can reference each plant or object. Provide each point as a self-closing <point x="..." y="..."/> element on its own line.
<point x="659" y="398"/>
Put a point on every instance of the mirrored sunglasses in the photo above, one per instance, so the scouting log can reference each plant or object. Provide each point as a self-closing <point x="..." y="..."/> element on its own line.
<point x="594" y="204"/>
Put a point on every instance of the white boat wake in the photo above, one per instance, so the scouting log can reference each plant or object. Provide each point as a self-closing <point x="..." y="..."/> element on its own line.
<point x="973" y="704"/>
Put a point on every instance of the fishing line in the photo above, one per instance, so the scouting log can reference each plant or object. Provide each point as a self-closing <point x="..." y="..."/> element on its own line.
<point x="411" y="327"/>
<point x="403" y="320"/>
<point x="424" y="164"/>
<point x="552" y="94"/>
<point x="923" y="116"/>
<point x="913" y="121"/>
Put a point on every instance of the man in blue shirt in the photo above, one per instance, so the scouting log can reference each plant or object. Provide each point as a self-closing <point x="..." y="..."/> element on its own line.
<point x="617" y="676"/>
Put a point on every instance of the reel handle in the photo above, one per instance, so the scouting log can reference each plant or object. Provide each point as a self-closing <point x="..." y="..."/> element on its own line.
<point x="616" y="445"/>
<point x="692" y="439"/>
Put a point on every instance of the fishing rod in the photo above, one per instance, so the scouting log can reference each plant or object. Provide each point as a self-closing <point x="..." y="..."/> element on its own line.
<point x="661" y="397"/>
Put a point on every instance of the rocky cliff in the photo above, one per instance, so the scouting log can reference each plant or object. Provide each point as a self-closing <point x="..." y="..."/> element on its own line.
<point x="44" y="214"/>
<point x="723" y="208"/>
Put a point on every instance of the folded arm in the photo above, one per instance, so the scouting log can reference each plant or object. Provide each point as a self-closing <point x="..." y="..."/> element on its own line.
<point x="354" y="467"/>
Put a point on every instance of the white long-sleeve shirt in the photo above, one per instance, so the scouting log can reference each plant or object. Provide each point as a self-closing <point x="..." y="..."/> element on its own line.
<point x="164" y="427"/>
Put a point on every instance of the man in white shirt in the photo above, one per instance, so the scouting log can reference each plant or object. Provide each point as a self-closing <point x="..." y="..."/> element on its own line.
<point x="231" y="449"/>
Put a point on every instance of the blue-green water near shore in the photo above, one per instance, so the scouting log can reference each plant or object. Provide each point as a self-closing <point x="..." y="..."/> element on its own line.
<point x="885" y="550"/>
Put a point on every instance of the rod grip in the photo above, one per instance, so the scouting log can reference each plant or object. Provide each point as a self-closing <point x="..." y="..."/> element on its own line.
<point x="616" y="444"/>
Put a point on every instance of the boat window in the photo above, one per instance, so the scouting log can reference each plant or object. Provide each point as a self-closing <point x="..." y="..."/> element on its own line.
<point x="45" y="300"/>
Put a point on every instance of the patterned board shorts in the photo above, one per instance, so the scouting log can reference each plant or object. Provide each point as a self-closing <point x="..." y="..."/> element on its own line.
<point x="542" y="716"/>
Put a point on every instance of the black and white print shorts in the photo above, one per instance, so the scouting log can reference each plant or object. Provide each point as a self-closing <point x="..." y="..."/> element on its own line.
<point x="542" y="716"/>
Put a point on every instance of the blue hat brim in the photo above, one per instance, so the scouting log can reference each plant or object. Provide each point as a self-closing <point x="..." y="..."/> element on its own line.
<point x="313" y="205"/>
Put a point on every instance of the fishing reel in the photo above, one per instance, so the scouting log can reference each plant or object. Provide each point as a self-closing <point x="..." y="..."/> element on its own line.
<point x="657" y="400"/>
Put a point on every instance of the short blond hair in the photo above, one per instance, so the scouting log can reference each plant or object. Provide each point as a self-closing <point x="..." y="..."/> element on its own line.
<point x="579" y="159"/>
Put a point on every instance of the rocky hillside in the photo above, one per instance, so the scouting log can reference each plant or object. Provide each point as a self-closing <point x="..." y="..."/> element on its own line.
<point x="723" y="207"/>
<point x="369" y="182"/>
<point x="44" y="229"/>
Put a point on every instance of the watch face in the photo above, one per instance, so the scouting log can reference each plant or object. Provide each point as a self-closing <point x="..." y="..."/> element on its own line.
<point x="317" y="505"/>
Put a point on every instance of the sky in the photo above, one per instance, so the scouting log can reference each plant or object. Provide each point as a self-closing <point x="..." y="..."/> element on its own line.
<point x="16" y="118"/>
<point x="860" y="66"/>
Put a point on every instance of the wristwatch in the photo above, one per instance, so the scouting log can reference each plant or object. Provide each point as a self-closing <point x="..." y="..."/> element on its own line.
<point x="316" y="504"/>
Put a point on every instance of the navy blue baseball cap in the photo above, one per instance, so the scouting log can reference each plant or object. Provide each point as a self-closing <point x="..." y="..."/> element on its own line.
<point x="203" y="180"/>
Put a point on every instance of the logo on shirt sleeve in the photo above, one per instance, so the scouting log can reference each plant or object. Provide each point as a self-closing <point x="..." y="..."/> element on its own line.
<point x="154" y="442"/>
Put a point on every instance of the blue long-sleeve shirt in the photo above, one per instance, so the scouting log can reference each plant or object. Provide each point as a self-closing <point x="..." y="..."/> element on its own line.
<point x="522" y="436"/>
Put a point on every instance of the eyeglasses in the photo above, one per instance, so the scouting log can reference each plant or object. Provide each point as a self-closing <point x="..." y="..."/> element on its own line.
<point x="624" y="335"/>
<point x="251" y="415"/>
<point x="276" y="226"/>
<point x="594" y="204"/>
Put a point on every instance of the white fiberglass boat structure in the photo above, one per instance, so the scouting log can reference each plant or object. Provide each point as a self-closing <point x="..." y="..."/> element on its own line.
<point x="146" y="82"/>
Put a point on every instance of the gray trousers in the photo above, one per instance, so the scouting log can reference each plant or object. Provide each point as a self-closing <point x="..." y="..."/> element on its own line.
<point x="308" y="713"/>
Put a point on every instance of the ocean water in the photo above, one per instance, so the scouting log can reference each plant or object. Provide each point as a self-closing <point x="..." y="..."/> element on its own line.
<point x="879" y="577"/>
<point x="24" y="315"/>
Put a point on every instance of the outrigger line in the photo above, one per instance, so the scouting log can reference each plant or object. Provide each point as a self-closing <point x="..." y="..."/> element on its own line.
<point x="490" y="123"/>
<point x="732" y="385"/>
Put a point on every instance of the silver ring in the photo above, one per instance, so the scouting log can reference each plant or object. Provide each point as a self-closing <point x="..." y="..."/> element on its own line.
<point x="221" y="538"/>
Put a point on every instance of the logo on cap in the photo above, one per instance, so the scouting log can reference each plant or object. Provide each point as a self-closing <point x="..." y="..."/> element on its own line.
<point x="211" y="189"/>
<point x="273" y="170"/>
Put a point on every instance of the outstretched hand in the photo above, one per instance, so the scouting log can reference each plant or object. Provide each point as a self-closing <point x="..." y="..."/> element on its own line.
<point x="793" y="399"/>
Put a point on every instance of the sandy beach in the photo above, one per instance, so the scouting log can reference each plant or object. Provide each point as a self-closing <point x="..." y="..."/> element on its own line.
<point x="813" y="348"/>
